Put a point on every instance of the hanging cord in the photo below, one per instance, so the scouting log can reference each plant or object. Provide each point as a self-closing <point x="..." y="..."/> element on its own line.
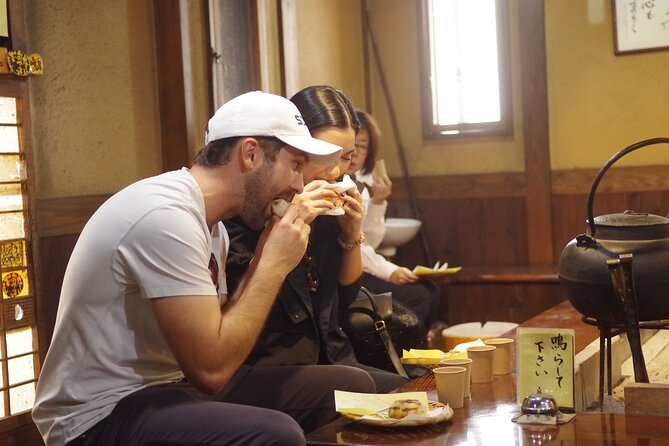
<point x="396" y="133"/>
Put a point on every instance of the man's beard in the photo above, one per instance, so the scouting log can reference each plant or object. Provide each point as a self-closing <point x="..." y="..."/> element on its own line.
<point x="257" y="196"/>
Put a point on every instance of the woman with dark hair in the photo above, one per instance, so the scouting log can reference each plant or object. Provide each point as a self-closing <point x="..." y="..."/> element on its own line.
<point x="381" y="275"/>
<point x="303" y="326"/>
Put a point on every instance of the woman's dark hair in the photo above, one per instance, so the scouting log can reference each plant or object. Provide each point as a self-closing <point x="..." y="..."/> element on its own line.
<point x="217" y="152"/>
<point x="368" y="123"/>
<point x="325" y="106"/>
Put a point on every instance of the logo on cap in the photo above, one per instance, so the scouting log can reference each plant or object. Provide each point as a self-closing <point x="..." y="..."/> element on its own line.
<point x="299" y="119"/>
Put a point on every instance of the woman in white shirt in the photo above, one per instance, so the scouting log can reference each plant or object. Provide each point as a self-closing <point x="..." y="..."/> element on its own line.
<point x="380" y="274"/>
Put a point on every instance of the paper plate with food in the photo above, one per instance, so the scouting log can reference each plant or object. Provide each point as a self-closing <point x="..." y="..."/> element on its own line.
<point x="428" y="358"/>
<point x="438" y="270"/>
<point x="391" y="409"/>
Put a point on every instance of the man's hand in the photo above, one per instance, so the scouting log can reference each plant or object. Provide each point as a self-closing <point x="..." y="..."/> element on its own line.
<point x="314" y="200"/>
<point x="283" y="242"/>
<point x="402" y="276"/>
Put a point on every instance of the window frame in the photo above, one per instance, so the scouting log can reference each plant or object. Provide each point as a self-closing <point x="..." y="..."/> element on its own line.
<point x="502" y="127"/>
<point x="12" y="86"/>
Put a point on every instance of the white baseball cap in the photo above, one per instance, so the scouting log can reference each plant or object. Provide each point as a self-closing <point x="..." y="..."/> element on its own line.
<point x="263" y="114"/>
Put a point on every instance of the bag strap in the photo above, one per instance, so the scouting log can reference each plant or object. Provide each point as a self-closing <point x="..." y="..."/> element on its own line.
<point x="380" y="327"/>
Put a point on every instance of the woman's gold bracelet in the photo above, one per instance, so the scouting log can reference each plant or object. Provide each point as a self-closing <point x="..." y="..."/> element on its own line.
<point x="347" y="246"/>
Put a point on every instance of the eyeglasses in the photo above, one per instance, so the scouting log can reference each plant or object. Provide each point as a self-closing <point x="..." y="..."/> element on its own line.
<point x="313" y="280"/>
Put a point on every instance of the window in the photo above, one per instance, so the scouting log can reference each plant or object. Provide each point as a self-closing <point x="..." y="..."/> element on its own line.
<point x="232" y="27"/>
<point x="466" y="89"/>
<point x="19" y="358"/>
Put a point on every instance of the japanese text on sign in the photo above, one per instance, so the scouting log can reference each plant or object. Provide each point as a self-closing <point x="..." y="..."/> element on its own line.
<point x="546" y="361"/>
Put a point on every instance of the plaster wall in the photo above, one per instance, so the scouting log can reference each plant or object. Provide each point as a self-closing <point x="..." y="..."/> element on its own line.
<point x="598" y="102"/>
<point x="329" y="45"/>
<point x="95" y="110"/>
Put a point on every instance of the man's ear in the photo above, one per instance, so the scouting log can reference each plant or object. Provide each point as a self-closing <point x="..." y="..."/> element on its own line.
<point x="249" y="153"/>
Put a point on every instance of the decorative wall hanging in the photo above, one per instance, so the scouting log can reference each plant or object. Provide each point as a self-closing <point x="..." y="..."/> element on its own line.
<point x="640" y="25"/>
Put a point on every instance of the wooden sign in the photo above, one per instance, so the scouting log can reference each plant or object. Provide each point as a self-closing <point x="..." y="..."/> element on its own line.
<point x="546" y="361"/>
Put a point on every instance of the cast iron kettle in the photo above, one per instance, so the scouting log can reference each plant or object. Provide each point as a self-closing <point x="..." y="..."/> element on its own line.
<point x="618" y="272"/>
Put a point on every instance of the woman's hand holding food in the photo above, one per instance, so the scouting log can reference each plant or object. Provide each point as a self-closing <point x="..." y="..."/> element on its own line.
<point x="351" y="221"/>
<point x="314" y="200"/>
<point x="381" y="189"/>
<point x="402" y="276"/>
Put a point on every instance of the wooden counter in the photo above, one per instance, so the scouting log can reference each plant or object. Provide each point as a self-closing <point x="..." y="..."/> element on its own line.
<point x="486" y="418"/>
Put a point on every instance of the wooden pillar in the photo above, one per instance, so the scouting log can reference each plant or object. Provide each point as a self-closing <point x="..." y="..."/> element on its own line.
<point x="171" y="90"/>
<point x="535" y="131"/>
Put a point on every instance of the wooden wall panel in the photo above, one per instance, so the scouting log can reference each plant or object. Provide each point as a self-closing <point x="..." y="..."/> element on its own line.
<point x="20" y="430"/>
<point x="571" y="212"/>
<point x="508" y="303"/>
<point x="483" y="224"/>
<point x="67" y="215"/>
<point x="472" y="232"/>
<point x="469" y="231"/>
<point x="54" y="253"/>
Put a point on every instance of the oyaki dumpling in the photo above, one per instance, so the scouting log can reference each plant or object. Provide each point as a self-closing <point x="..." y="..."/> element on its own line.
<point x="338" y="201"/>
<point x="279" y="207"/>
<point x="402" y="408"/>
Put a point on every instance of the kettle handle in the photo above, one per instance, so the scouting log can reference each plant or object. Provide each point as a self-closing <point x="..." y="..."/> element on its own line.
<point x="605" y="167"/>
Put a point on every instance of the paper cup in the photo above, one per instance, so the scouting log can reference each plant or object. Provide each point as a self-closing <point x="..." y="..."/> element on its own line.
<point x="461" y="362"/>
<point x="379" y="169"/>
<point x="482" y="357"/>
<point x="450" y="385"/>
<point x="501" y="358"/>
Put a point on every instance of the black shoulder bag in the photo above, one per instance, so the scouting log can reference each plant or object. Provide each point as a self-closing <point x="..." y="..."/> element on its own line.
<point x="366" y="326"/>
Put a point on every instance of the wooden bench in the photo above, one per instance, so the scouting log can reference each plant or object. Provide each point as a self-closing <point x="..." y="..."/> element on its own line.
<point x="495" y="275"/>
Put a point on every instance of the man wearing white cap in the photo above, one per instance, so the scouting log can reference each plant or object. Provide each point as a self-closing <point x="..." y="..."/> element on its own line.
<point x="142" y="306"/>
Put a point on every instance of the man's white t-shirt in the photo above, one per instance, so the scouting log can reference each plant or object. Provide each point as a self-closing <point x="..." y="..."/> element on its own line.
<point x="149" y="240"/>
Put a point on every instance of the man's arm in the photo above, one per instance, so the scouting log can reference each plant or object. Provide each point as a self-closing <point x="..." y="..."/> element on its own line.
<point x="210" y="342"/>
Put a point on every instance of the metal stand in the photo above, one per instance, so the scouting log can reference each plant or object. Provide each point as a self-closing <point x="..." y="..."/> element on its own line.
<point x="608" y="330"/>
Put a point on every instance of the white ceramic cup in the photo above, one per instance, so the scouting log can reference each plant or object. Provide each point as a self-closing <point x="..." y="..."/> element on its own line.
<point x="461" y="362"/>
<point x="501" y="361"/>
<point x="450" y="385"/>
<point x="482" y="357"/>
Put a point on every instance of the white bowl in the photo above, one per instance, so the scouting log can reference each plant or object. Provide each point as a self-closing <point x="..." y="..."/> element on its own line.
<point x="399" y="231"/>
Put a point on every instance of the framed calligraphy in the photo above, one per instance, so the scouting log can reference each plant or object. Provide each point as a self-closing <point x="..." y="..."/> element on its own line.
<point x="640" y="25"/>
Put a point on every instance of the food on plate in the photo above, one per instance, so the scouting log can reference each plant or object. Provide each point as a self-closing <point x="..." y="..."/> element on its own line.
<point x="280" y="207"/>
<point x="402" y="408"/>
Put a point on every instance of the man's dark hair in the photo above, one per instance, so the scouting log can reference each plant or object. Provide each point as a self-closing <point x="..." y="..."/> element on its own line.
<point x="218" y="152"/>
